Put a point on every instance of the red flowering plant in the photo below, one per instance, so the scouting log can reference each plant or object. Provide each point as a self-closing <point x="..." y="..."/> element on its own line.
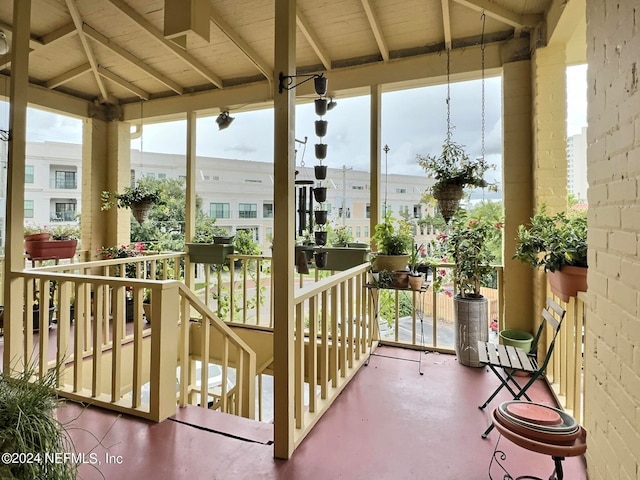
<point x="123" y="251"/>
<point x="468" y="243"/>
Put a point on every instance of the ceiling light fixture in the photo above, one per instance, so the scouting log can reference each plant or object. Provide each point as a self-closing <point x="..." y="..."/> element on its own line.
<point x="224" y="120"/>
<point x="4" y="43"/>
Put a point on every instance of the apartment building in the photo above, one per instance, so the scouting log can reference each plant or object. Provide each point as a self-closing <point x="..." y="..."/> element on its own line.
<point x="238" y="193"/>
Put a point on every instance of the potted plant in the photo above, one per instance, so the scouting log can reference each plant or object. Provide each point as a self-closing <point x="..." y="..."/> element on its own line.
<point x="210" y="244"/>
<point x="467" y="245"/>
<point x="52" y="244"/>
<point x="29" y="427"/>
<point x="452" y="171"/>
<point x="558" y="243"/>
<point x="393" y="245"/>
<point x="139" y="198"/>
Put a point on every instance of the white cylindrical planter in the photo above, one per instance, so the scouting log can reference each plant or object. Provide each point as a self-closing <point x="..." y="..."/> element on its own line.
<point x="470" y="325"/>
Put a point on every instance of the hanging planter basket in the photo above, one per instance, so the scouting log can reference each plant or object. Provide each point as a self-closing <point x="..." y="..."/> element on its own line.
<point x="448" y="197"/>
<point x="321" y="106"/>
<point x="140" y="211"/>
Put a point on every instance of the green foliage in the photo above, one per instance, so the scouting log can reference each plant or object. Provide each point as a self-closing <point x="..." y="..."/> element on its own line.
<point x="28" y="425"/>
<point x="467" y="244"/>
<point x="339" y="236"/>
<point x="65" y="232"/>
<point x="553" y="241"/>
<point x="244" y="243"/>
<point x="387" y="310"/>
<point x="144" y="191"/>
<point x="391" y="240"/>
<point x="454" y="167"/>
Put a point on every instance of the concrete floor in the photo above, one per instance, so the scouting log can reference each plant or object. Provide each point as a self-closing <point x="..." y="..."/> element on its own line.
<point x="389" y="423"/>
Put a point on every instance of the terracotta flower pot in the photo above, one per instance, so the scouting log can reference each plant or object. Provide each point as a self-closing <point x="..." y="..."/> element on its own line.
<point x="568" y="281"/>
<point x="51" y="249"/>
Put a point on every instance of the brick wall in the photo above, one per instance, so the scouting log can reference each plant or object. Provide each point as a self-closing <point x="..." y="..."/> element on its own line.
<point x="612" y="356"/>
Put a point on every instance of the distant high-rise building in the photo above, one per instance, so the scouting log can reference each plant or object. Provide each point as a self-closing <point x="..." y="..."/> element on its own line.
<point x="577" y="165"/>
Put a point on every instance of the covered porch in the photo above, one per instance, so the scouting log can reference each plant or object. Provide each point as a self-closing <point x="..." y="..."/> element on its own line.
<point x="532" y="68"/>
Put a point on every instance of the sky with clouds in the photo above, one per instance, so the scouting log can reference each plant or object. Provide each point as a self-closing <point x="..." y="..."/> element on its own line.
<point x="413" y="122"/>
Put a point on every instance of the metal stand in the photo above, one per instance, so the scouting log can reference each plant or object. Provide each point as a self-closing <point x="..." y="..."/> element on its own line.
<point x="499" y="457"/>
<point x="418" y="311"/>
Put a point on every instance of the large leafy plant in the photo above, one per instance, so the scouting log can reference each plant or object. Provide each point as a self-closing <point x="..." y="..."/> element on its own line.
<point x="454" y="167"/>
<point x="467" y="243"/>
<point x="553" y="241"/>
<point x="392" y="240"/>
<point x="142" y="192"/>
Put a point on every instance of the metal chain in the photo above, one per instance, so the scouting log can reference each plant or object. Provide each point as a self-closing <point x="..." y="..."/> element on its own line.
<point x="448" y="95"/>
<point x="482" y="47"/>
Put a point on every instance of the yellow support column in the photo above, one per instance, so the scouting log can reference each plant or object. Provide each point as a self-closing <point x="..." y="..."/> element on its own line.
<point x="517" y="181"/>
<point x="284" y="226"/>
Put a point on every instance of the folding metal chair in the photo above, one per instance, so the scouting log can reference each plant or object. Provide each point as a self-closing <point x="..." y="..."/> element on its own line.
<point x="505" y="361"/>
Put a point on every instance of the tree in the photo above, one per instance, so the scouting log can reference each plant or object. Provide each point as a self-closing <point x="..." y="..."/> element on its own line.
<point x="164" y="229"/>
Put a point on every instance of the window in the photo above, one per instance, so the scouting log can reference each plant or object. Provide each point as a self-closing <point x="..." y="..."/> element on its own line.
<point x="162" y="176"/>
<point x="367" y="211"/>
<point x="150" y="175"/>
<point x="358" y="231"/>
<point x="65" y="212"/>
<point x="417" y="211"/>
<point x="267" y="210"/>
<point x="66" y="180"/>
<point x="401" y="190"/>
<point x="28" y="209"/>
<point x="219" y="210"/>
<point x="28" y="174"/>
<point x="269" y="234"/>
<point x="357" y="187"/>
<point x="252" y="180"/>
<point x="366" y="232"/>
<point x="247" y="210"/>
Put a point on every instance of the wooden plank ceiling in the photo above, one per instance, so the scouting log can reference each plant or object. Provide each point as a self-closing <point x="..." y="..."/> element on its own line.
<point x="115" y="51"/>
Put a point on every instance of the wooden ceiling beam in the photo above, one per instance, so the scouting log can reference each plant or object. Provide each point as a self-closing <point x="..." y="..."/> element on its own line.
<point x="175" y="49"/>
<point x="312" y="38"/>
<point x="34" y="42"/>
<point x="132" y="59"/>
<point x="446" y="23"/>
<point x="407" y="72"/>
<point x="123" y="83"/>
<point x="376" y="29"/>
<point x="240" y="43"/>
<point x="77" y="21"/>
<point x="501" y="14"/>
<point x="68" y="76"/>
<point x="59" y="34"/>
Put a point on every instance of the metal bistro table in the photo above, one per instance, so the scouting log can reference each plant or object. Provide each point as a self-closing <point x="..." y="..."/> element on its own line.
<point x="417" y="312"/>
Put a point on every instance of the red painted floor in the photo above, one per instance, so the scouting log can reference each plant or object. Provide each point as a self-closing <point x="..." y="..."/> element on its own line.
<point x="389" y="423"/>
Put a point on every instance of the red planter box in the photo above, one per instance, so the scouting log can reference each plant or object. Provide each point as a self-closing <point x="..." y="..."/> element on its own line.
<point x="51" y="249"/>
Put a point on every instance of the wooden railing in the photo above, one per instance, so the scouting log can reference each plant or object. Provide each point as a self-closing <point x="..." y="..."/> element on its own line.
<point x="333" y="330"/>
<point x="566" y="368"/>
<point x="107" y="346"/>
<point x="425" y="320"/>
<point x="102" y="359"/>
<point x="211" y="341"/>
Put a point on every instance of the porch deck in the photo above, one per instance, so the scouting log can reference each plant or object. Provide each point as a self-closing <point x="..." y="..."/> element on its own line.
<point x="388" y="423"/>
